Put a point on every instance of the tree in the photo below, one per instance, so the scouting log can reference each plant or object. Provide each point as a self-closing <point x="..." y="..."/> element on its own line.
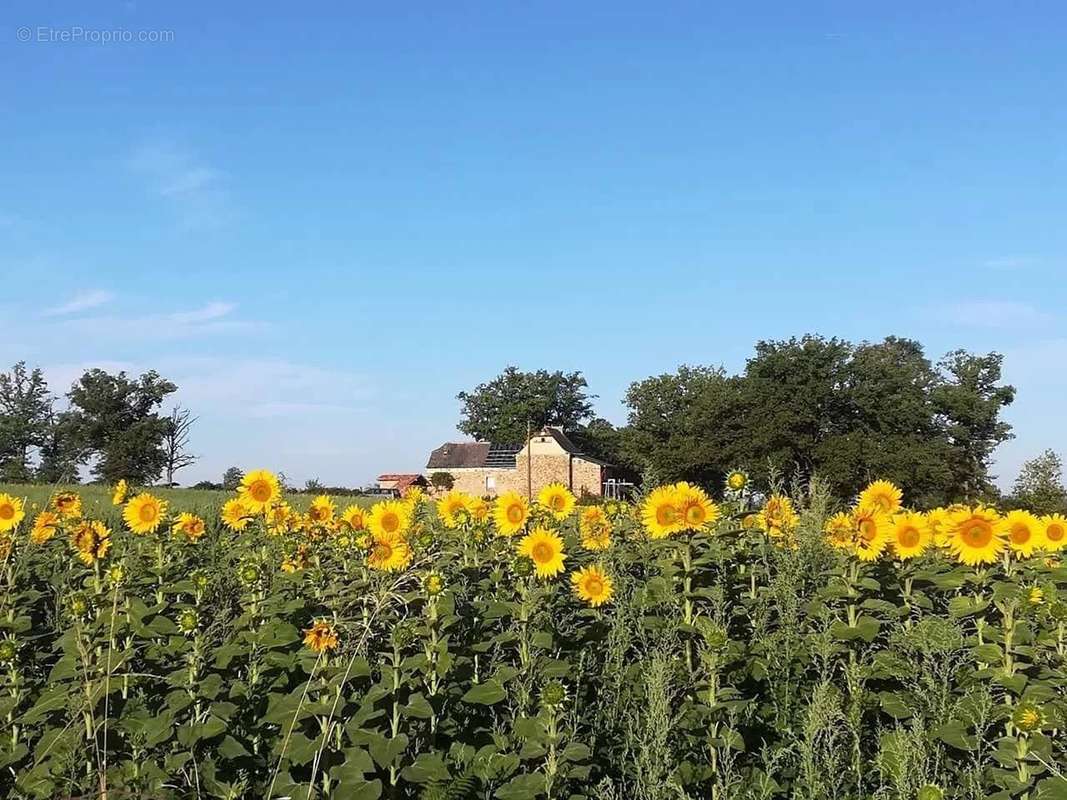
<point x="61" y="454"/>
<point x="1039" y="486"/>
<point x="849" y="413"/>
<point x="500" y="410"/>
<point x="115" y="419"/>
<point x="600" y="439"/>
<point x="442" y="480"/>
<point x="888" y="426"/>
<point x="176" y="442"/>
<point x="791" y="402"/>
<point x="681" y="426"/>
<point x="231" y="479"/>
<point x="969" y="399"/>
<point x="876" y="417"/>
<point x="25" y="418"/>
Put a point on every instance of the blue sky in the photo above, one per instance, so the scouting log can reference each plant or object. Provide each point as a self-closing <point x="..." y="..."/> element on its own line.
<point x="323" y="225"/>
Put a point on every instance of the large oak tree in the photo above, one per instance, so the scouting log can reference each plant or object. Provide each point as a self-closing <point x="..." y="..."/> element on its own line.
<point x="117" y="421"/>
<point x="500" y="410"/>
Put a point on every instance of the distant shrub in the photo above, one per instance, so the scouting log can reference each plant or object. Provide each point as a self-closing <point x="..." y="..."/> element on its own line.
<point x="442" y="480"/>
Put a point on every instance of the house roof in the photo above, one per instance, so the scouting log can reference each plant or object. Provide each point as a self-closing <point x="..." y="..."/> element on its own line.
<point x="458" y="455"/>
<point x="561" y="439"/>
<point x="403" y="480"/>
<point x="466" y="455"/>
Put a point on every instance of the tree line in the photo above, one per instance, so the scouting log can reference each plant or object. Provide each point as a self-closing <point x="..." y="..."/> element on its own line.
<point x="800" y="407"/>
<point x="111" y="423"/>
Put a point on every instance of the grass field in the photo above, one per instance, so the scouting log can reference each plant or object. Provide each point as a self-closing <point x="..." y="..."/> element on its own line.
<point x="97" y="498"/>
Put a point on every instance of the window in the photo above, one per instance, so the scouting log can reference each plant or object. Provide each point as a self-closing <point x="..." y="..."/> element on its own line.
<point x="490" y="483"/>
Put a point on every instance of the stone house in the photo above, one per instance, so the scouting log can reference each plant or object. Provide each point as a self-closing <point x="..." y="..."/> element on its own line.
<point x="481" y="468"/>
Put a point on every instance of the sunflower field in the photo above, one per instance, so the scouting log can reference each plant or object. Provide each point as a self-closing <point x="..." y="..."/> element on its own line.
<point x="768" y="645"/>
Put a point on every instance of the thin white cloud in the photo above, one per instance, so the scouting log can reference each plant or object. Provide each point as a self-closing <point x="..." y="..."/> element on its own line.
<point x="82" y="301"/>
<point x="211" y="311"/>
<point x="1009" y="262"/>
<point x="305" y="419"/>
<point x="998" y="314"/>
<point x="286" y="409"/>
<point x="272" y="386"/>
<point x="195" y="190"/>
<point x="213" y="318"/>
<point x="193" y="179"/>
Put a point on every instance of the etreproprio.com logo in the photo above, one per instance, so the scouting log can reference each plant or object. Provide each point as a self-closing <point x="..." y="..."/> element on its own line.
<point x="78" y="34"/>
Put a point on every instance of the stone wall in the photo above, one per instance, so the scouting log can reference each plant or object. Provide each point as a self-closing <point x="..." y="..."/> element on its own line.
<point x="473" y="480"/>
<point x="588" y="477"/>
<point x="547" y="468"/>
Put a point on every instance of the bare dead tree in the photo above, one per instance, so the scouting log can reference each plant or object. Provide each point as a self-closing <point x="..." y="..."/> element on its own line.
<point x="176" y="442"/>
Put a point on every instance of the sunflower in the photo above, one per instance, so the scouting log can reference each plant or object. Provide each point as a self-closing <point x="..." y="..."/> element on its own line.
<point x="280" y="517"/>
<point x="778" y="517"/>
<point x="1055" y="531"/>
<point x="188" y="525"/>
<point x="118" y="494"/>
<point x="1028" y="716"/>
<point x="91" y="540"/>
<point x="321" y="636"/>
<point x="510" y="513"/>
<point x="595" y="527"/>
<point x="662" y="513"/>
<point x="144" y="513"/>
<point x="68" y="504"/>
<point x="353" y="517"/>
<point x="455" y="508"/>
<point x="389" y="552"/>
<point x="840" y="531"/>
<point x="322" y="510"/>
<point x="1024" y="531"/>
<point x="11" y="513"/>
<point x="188" y="621"/>
<point x="235" y="514"/>
<point x="300" y="559"/>
<point x="545" y="549"/>
<point x="974" y="535"/>
<point x="935" y="521"/>
<point x="871" y="536"/>
<point x="736" y="481"/>
<point x="389" y="518"/>
<point x="557" y="499"/>
<point x="593" y="586"/>
<point x="909" y="534"/>
<point x="883" y="495"/>
<point x="697" y="509"/>
<point x="44" y="527"/>
<point x="433" y="584"/>
<point x="480" y="509"/>
<point x="260" y="489"/>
